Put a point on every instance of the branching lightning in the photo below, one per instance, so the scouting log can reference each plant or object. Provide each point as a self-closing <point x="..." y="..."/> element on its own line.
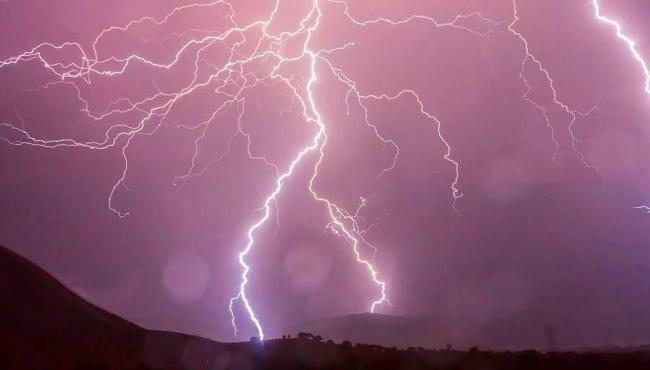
<point x="231" y="79"/>
<point x="573" y="114"/>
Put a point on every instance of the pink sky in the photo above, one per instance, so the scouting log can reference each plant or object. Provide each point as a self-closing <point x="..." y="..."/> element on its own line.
<point x="540" y="236"/>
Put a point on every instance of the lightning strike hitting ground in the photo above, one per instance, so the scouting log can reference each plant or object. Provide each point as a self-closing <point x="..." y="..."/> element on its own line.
<point x="232" y="78"/>
<point x="157" y="107"/>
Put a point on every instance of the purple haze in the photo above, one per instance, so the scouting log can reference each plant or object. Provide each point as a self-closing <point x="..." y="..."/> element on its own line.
<point x="536" y="242"/>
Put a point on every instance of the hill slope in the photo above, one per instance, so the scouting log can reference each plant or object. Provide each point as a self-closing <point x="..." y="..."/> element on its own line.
<point x="43" y="325"/>
<point x="41" y="306"/>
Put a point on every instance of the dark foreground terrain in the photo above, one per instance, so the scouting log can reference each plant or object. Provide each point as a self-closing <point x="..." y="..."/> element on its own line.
<point x="45" y="326"/>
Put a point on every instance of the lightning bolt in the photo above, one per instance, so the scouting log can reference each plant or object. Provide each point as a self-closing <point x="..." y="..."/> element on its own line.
<point x="245" y="68"/>
<point x="631" y="45"/>
<point x="317" y="143"/>
<point x="230" y="82"/>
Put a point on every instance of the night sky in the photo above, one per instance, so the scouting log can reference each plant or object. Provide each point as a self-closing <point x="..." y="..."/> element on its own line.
<point x="544" y="234"/>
